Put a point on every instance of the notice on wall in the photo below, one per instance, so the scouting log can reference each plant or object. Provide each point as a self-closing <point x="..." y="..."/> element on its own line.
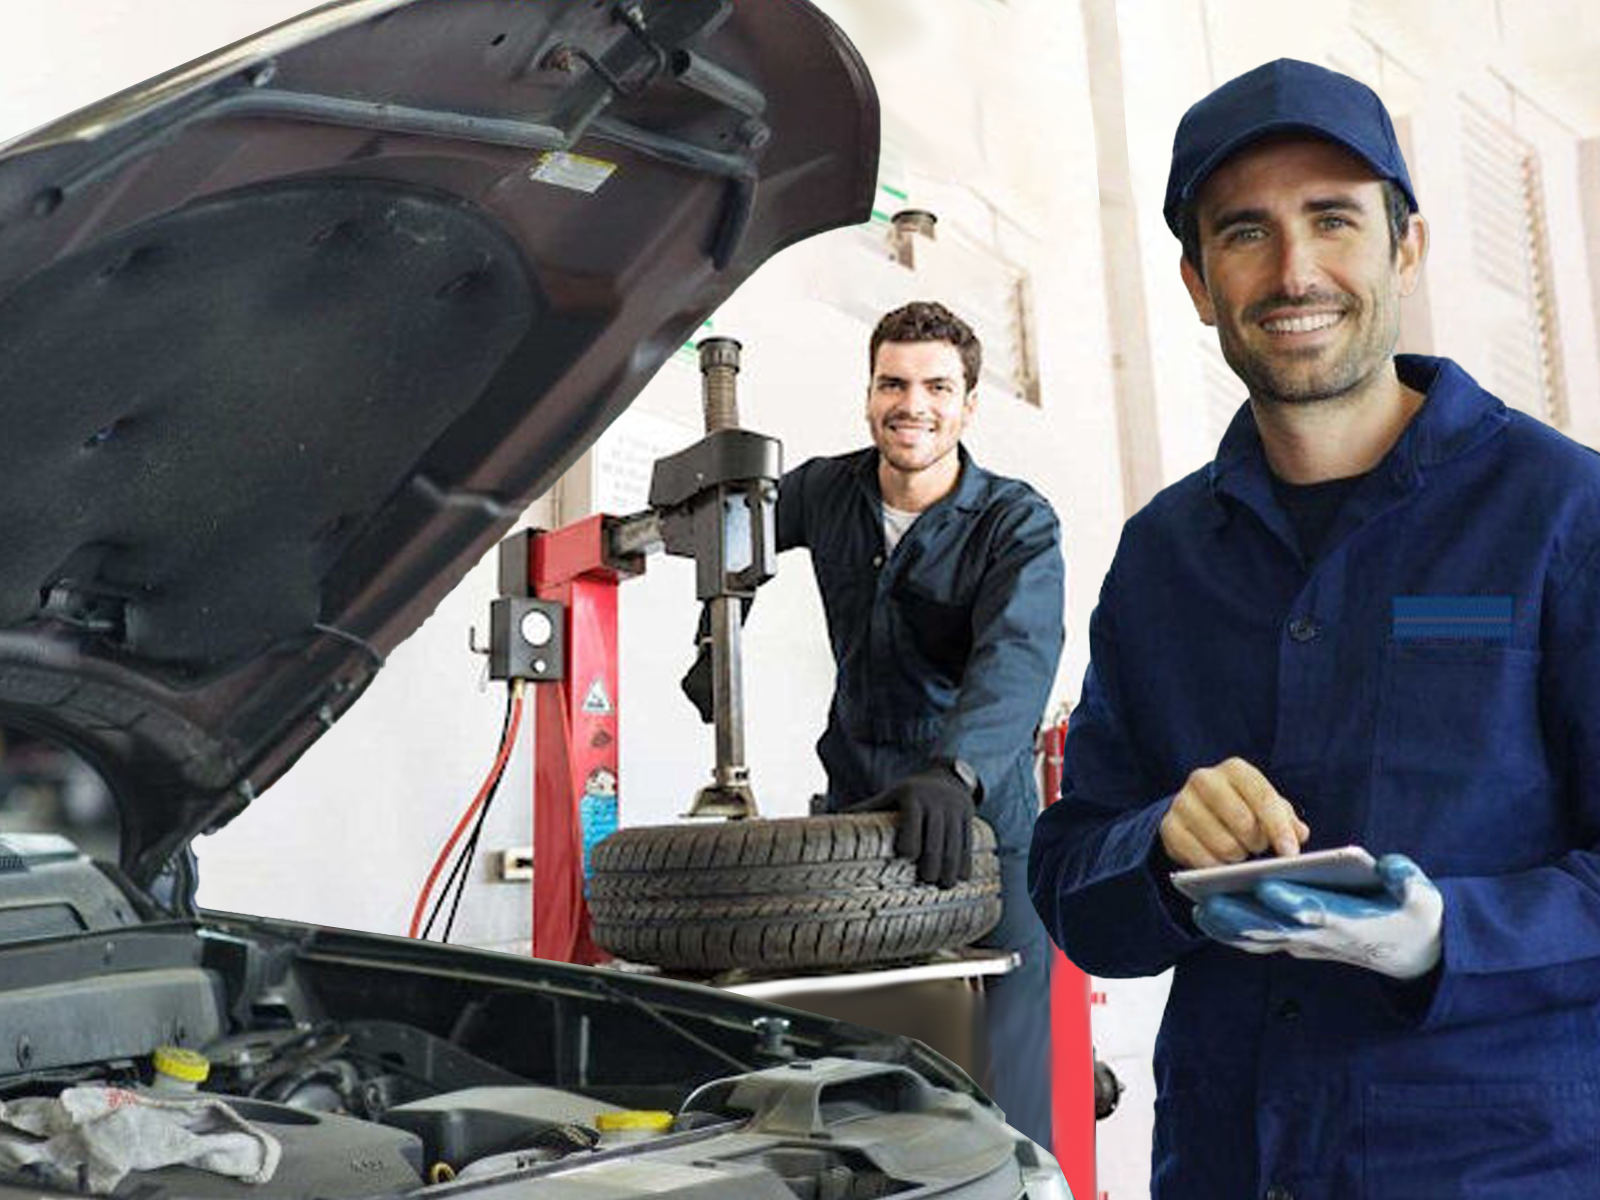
<point x="625" y="455"/>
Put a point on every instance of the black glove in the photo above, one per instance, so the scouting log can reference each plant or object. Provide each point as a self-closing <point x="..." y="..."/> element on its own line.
<point x="1107" y="1090"/>
<point x="936" y="808"/>
<point x="696" y="682"/>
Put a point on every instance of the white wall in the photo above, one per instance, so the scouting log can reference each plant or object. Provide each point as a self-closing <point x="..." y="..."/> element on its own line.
<point x="55" y="58"/>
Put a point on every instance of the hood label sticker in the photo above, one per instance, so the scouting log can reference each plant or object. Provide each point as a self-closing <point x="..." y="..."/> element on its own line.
<point x="577" y="172"/>
<point x="595" y="700"/>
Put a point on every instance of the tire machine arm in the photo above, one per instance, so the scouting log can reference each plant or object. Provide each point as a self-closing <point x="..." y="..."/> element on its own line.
<point x="555" y="625"/>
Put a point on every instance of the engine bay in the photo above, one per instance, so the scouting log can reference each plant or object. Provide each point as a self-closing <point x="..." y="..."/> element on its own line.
<point x="383" y="1065"/>
<point x="339" y="1110"/>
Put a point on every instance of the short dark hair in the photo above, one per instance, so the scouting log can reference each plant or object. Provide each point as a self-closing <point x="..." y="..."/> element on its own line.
<point x="928" y="321"/>
<point x="1395" y="203"/>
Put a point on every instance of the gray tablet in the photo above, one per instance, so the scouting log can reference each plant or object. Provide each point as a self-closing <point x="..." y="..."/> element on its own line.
<point x="1347" y="869"/>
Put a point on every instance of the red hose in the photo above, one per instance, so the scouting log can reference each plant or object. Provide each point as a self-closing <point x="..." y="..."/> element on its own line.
<point x="472" y="809"/>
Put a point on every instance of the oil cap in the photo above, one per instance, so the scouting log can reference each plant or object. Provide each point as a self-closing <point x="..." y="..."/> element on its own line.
<point x="180" y="1064"/>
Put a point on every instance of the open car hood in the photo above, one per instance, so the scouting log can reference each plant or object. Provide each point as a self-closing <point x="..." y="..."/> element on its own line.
<point x="291" y="335"/>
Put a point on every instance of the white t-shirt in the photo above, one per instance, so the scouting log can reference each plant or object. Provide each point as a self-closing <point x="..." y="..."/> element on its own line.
<point x="895" y="524"/>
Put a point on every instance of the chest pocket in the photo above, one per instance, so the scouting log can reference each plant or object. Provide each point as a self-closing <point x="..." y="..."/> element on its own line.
<point x="1460" y="776"/>
<point x="939" y="631"/>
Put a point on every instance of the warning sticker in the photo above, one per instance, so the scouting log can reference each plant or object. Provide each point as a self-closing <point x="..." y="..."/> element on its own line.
<point x="595" y="700"/>
<point x="578" y="172"/>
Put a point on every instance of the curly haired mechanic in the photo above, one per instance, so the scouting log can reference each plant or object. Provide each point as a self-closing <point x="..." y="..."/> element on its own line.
<point x="1374" y="618"/>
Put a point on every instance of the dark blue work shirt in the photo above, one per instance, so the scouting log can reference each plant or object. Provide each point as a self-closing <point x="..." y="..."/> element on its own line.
<point x="946" y="647"/>
<point x="1430" y="684"/>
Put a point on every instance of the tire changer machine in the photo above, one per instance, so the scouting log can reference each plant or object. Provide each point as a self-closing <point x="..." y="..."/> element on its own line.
<point x="555" y="625"/>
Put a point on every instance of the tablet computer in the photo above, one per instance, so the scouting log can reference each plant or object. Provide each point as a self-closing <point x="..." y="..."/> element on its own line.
<point x="1347" y="869"/>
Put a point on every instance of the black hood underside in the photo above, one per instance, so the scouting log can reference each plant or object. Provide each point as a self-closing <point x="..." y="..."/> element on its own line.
<point x="290" y="336"/>
<point x="223" y="487"/>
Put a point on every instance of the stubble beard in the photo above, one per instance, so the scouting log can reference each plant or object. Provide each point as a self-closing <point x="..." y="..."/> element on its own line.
<point x="911" y="462"/>
<point x="1300" y="378"/>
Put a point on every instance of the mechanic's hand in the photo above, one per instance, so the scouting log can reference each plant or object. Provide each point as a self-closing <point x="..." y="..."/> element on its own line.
<point x="1398" y="933"/>
<point x="1225" y="813"/>
<point x="936" y="811"/>
<point x="696" y="682"/>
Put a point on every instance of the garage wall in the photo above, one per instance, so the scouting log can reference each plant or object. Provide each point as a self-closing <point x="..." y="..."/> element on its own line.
<point x="58" y="57"/>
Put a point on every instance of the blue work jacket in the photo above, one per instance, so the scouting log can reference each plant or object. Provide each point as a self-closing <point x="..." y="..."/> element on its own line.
<point x="1429" y="685"/>
<point x="946" y="647"/>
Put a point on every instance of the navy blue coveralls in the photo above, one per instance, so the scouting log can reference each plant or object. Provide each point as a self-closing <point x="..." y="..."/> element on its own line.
<point x="946" y="647"/>
<point x="1429" y="685"/>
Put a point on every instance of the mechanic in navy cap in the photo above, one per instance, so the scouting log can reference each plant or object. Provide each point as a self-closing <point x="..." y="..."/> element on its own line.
<point x="1374" y="618"/>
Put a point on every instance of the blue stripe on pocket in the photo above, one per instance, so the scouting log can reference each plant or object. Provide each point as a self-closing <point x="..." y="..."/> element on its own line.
<point x="1452" y="618"/>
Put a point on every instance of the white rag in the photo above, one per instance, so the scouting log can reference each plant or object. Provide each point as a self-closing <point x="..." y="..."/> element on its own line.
<point x="103" y="1133"/>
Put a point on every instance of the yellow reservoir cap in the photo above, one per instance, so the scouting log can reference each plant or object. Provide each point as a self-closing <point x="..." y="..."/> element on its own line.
<point x="188" y="1065"/>
<point x="634" y="1119"/>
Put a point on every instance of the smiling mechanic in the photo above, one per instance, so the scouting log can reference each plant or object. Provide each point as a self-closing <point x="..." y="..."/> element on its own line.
<point x="1374" y="618"/>
<point x="943" y="588"/>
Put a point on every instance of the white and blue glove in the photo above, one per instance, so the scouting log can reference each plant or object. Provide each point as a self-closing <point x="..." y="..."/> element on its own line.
<point x="1397" y="932"/>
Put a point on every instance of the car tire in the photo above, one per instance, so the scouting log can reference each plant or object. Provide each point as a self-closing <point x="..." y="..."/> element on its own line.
<point x="781" y="894"/>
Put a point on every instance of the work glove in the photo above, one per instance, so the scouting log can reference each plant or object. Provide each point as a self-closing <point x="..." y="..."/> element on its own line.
<point x="1108" y="1089"/>
<point x="936" y="809"/>
<point x="1397" y="932"/>
<point x="696" y="682"/>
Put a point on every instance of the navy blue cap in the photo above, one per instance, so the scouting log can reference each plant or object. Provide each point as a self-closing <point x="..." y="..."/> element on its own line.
<point x="1286" y="96"/>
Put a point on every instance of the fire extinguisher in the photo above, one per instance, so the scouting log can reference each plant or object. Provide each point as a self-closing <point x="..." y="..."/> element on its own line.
<point x="1108" y="1088"/>
<point x="1053" y="749"/>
